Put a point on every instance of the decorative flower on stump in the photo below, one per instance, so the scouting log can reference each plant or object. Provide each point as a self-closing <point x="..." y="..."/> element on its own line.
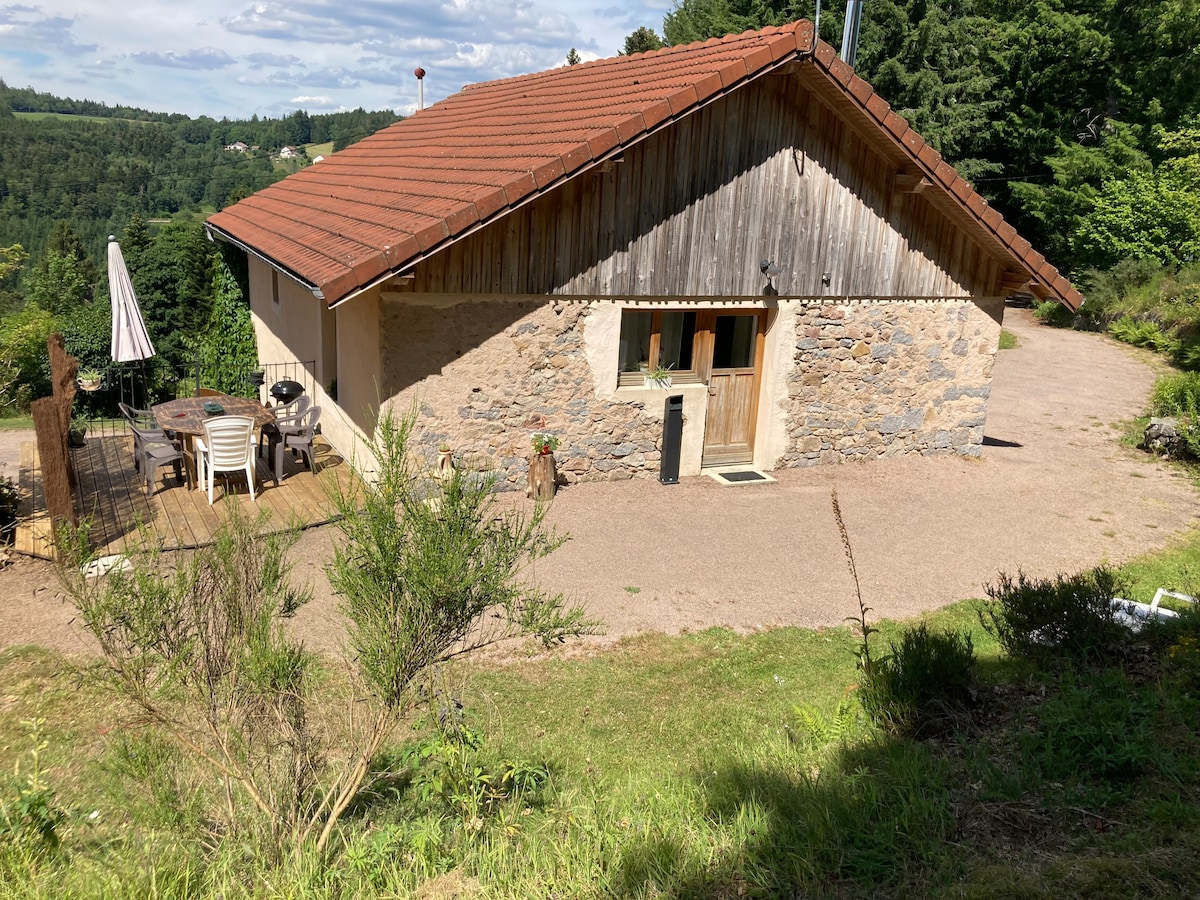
<point x="543" y="474"/>
<point x="544" y="444"/>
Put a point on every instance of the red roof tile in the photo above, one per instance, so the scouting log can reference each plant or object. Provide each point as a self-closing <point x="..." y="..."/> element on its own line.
<point x="411" y="189"/>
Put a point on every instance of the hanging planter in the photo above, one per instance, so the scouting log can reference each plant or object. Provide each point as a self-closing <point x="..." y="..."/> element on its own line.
<point x="89" y="380"/>
<point x="258" y="377"/>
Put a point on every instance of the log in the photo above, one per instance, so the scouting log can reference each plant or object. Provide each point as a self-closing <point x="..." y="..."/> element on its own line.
<point x="543" y="477"/>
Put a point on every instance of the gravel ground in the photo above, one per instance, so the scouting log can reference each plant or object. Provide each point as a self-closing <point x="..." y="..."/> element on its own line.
<point x="1053" y="492"/>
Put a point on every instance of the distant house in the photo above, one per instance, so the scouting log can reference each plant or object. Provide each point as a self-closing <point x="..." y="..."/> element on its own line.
<point x="317" y="158"/>
<point x="290" y="152"/>
<point x="744" y="215"/>
<point x="238" y="146"/>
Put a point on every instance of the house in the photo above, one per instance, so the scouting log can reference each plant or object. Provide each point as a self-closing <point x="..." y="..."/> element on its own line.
<point x="238" y="147"/>
<point x="745" y="215"/>
<point x="289" y="152"/>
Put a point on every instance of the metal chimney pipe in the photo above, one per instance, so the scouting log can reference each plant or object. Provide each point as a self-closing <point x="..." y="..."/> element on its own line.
<point x="420" y="73"/>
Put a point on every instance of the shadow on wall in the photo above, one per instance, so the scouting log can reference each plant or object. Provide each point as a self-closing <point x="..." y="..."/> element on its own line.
<point x="605" y="212"/>
<point x="422" y="339"/>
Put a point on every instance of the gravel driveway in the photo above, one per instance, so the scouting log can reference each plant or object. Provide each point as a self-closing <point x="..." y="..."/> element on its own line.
<point x="1054" y="491"/>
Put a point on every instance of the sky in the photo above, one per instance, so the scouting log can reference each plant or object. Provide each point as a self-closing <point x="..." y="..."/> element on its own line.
<point x="234" y="58"/>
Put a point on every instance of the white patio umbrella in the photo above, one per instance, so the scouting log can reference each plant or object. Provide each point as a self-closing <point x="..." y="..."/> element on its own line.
<point x="129" y="338"/>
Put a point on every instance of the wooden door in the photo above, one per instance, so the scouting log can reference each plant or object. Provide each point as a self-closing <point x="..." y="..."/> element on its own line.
<point x="733" y="349"/>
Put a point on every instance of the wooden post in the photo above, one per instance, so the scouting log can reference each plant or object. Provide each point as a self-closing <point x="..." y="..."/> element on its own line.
<point x="543" y="476"/>
<point x="51" y="420"/>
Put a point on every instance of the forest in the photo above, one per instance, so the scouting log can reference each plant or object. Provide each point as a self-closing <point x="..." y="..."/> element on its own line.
<point x="1079" y="121"/>
<point x="74" y="171"/>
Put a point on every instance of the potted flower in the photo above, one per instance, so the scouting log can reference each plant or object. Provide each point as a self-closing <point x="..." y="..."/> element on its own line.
<point x="89" y="379"/>
<point x="658" y="377"/>
<point x="76" y="431"/>
<point x="544" y="444"/>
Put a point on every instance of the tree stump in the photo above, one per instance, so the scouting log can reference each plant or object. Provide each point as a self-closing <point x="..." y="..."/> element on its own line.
<point x="543" y="476"/>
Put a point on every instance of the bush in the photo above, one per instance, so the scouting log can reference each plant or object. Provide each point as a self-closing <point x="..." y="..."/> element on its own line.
<point x="927" y="675"/>
<point x="1176" y="395"/>
<point x="1047" y="620"/>
<point x="10" y="504"/>
<point x="1147" y="334"/>
<point x="1098" y="729"/>
<point x="1054" y="313"/>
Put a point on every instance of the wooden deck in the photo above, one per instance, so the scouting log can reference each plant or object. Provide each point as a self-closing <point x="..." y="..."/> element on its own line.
<point x="114" y="497"/>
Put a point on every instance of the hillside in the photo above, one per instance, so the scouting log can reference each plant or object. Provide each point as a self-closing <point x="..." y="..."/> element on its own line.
<point x="94" y="165"/>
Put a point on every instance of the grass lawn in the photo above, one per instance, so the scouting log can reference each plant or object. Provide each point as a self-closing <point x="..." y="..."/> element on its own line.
<point x="16" y="423"/>
<point x="1008" y="340"/>
<point x="52" y="115"/>
<point x="706" y="765"/>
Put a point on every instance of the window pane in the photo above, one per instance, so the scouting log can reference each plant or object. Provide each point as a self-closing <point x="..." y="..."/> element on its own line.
<point x="635" y="340"/>
<point x="675" y="346"/>
<point x="733" y="343"/>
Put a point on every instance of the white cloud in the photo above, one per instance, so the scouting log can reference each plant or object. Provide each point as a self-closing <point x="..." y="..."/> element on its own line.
<point x="259" y="60"/>
<point x="204" y="58"/>
<point x="237" y="57"/>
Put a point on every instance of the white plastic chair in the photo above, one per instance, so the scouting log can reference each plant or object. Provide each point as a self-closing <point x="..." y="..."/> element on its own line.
<point x="227" y="446"/>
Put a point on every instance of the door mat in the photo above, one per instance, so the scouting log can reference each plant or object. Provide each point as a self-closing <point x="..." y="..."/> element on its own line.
<point x="742" y="475"/>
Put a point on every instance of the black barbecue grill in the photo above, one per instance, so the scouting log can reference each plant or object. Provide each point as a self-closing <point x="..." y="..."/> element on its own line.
<point x="286" y="391"/>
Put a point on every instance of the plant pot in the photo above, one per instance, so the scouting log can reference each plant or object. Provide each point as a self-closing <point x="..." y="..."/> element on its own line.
<point x="89" y="384"/>
<point x="648" y="382"/>
<point x="75" y="438"/>
<point x="258" y="379"/>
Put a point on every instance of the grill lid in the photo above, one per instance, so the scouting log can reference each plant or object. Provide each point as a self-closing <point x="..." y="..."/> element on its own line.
<point x="286" y="391"/>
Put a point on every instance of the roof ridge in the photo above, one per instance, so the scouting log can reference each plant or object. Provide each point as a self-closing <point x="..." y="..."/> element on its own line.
<point x="496" y="145"/>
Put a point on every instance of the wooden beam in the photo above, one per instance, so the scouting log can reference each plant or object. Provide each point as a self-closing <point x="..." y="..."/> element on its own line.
<point x="911" y="183"/>
<point x="1013" y="282"/>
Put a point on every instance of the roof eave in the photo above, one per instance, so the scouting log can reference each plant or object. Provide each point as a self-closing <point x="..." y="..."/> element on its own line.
<point x="949" y="185"/>
<point x="216" y="232"/>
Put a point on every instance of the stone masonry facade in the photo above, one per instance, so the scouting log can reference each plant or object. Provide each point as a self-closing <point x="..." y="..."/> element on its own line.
<point x="877" y="378"/>
<point x="870" y="379"/>
<point x="529" y="374"/>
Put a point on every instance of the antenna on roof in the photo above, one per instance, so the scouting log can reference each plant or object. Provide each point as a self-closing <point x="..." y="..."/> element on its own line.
<point x="420" y="73"/>
<point x="850" y="31"/>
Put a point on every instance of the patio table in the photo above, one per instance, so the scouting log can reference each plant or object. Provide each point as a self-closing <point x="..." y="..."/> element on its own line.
<point x="186" y="417"/>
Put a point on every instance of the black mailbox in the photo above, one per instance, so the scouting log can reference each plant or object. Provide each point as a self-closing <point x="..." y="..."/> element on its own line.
<point x="668" y="472"/>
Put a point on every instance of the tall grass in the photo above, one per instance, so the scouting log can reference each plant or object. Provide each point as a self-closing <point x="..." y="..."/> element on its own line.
<point x="672" y="767"/>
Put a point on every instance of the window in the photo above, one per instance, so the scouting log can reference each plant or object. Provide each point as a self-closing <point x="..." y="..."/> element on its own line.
<point x="657" y="339"/>
<point x="275" y="287"/>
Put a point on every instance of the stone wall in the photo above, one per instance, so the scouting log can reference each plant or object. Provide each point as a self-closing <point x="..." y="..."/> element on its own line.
<point x="485" y="374"/>
<point x="870" y="378"/>
<point x="884" y="377"/>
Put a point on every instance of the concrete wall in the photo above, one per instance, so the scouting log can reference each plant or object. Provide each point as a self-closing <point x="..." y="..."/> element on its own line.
<point x="343" y="344"/>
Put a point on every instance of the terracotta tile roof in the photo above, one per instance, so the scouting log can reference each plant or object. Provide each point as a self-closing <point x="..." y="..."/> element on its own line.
<point x="414" y="187"/>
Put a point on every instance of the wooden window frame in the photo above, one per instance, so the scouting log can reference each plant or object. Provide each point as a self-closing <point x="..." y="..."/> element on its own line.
<point x="689" y="376"/>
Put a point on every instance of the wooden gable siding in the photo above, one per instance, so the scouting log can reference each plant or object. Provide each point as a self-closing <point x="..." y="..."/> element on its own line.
<point x="770" y="172"/>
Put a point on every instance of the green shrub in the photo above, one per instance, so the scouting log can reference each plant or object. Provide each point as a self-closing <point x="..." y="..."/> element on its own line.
<point x="1176" y="395"/>
<point x="928" y="674"/>
<point x="1147" y="334"/>
<point x="1046" y="620"/>
<point x="1094" y="729"/>
<point x="10" y="501"/>
<point x="1054" y="313"/>
<point x="30" y="818"/>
